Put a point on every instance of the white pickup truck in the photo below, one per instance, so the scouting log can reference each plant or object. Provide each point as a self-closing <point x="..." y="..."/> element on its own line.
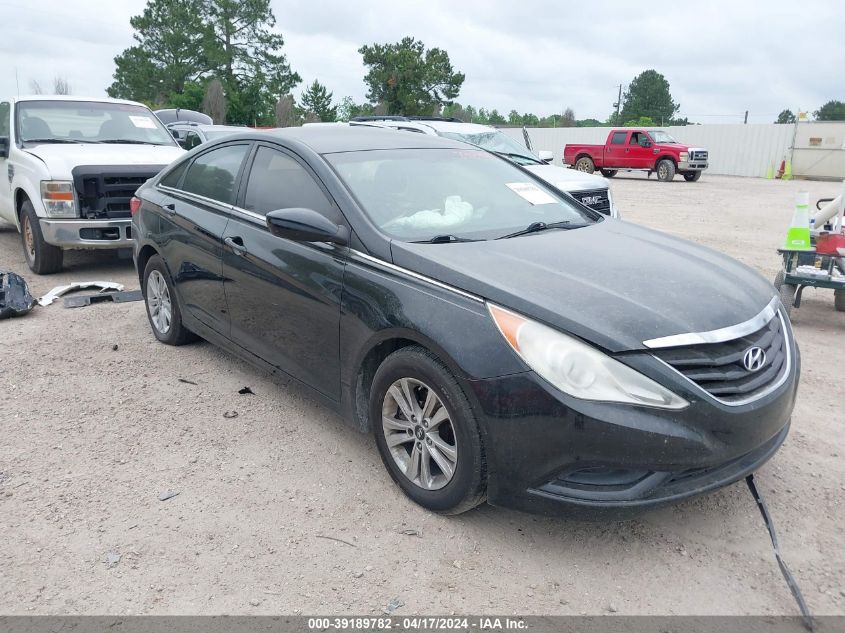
<point x="68" y="168"/>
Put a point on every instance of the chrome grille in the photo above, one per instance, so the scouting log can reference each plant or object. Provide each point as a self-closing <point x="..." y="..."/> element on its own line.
<point x="698" y="154"/>
<point x="596" y="199"/>
<point x="718" y="367"/>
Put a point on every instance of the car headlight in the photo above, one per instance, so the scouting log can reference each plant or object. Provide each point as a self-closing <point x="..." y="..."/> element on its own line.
<point x="614" y="212"/>
<point x="58" y="198"/>
<point x="578" y="369"/>
<point x="684" y="157"/>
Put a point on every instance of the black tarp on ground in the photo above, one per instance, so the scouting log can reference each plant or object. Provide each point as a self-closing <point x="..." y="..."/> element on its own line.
<point x="15" y="299"/>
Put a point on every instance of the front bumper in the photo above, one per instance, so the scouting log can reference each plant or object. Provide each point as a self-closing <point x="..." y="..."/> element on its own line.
<point x="550" y="453"/>
<point x="692" y="165"/>
<point x="73" y="234"/>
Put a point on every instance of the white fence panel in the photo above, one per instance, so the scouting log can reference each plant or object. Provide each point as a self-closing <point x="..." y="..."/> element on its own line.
<point x="735" y="150"/>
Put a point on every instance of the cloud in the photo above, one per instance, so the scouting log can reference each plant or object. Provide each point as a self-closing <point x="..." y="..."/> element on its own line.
<point x="721" y="58"/>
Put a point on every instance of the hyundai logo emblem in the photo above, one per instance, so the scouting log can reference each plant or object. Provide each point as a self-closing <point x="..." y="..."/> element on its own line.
<point x="590" y="200"/>
<point x="754" y="358"/>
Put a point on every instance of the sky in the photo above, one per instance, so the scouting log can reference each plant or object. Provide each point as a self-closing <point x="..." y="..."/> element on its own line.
<point x="721" y="58"/>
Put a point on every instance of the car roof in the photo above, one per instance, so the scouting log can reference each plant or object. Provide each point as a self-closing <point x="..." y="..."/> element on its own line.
<point x="75" y="98"/>
<point x="460" y="127"/>
<point x="331" y="139"/>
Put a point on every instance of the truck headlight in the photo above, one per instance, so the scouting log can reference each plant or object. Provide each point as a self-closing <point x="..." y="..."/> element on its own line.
<point x="684" y="157"/>
<point x="579" y="369"/>
<point x="58" y="198"/>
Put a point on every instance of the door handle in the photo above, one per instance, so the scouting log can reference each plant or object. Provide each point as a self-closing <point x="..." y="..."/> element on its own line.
<point x="236" y="244"/>
<point x="169" y="208"/>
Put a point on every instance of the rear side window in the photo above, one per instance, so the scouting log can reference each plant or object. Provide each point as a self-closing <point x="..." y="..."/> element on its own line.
<point x="618" y="138"/>
<point x="172" y="179"/>
<point x="4" y="119"/>
<point x="214" y="175"/>
<point x="277" y="181"/>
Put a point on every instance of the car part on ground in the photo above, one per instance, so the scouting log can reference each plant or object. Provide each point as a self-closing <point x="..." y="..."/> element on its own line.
<point x="608" y="393"/>
<point x="15" y="299"/>
<point x="115" y="297"/>
<point x="58" y="291"/>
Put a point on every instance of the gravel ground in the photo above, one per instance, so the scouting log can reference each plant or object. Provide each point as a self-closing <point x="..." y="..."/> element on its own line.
<point x="91" y="436"/>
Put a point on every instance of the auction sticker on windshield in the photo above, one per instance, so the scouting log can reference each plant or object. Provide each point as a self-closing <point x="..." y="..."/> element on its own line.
<point x="142" y="121"/>
<point x="531" y="192"/>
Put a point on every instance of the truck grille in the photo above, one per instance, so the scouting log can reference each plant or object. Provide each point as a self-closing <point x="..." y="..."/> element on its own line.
<point x="596" y="199"/>
<point x="699" y="154"/>
<point x="718" y="367"/>
<point x="104" y="191"/>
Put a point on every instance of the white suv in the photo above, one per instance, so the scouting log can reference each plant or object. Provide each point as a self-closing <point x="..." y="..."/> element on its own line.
<point x="589" y="190"/>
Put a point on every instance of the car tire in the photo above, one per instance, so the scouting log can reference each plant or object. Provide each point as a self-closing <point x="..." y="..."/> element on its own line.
<point x="163" y="310"/>
<point x="41" y="257"/>
<point x="585" y="164"/>
<point x="665" y="169"/>
<point x="609" y="173"/>
<point x="412" y="449"/>
<point x="692" y="176"/>
<point x="787" y="296"/>
<point x="839" y="300"/>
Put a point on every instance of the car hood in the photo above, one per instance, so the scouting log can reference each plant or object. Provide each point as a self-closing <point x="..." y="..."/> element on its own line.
<point x="568" y="179"/>
<point x="61" y="159"/>
<point x="613" y="283"/>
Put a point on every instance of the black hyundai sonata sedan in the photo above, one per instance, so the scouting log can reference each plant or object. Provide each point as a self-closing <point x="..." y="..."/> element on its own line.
<point x="500" y="340"/>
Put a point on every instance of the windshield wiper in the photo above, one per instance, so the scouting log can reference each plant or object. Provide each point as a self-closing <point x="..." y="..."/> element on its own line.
<point x="129" y="141"/>
<point x="512" y="156"/>
<point x="445" y="239"/>
<point x="536" y="227"/>
<point x="51" y="140"/>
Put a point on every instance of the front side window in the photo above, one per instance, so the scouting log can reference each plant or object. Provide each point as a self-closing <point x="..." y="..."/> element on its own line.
<point x="277" y="181"/>
<point x="618" y="138"/>
<point x="419" y="194"/>
<point x="214" y="174"/>
<point x="88" y="122"/>
<point x="4" y="119"/>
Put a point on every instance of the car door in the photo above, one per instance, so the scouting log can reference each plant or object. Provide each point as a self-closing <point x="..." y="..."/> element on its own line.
<point x="614" y="151"/>
<point x="639" y="156"/>
<point x="195" y="203"/>
<point x="284" y="296"/>
<point x="7" y="211"/>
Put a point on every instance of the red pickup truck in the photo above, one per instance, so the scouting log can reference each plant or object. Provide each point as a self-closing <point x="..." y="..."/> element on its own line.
<point x="651" y="150"/>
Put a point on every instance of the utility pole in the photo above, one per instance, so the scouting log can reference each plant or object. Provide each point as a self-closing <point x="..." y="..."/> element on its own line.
<point x="618" y="104"/>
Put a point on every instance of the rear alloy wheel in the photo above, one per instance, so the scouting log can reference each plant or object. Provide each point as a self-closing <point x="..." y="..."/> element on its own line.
<point x="426" y="432"/>
<point x="163" y="309"/>
<point x="692" y="176"/>
<point x="665" y="170"/>
<point x="585" y="164"/>
<point x="41" y="257"/>
<point x="609" y="173"/>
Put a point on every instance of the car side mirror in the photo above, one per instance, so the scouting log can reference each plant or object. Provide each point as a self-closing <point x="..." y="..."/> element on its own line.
<point x="546" y="156"/>
<point x="645" y="143"/>
<point x="306" y="225"/>
<point x="4" y="147"/>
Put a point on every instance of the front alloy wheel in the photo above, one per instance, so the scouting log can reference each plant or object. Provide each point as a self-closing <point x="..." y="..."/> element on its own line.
<point x="158" y="302"/>
<point x="418" y="431"/>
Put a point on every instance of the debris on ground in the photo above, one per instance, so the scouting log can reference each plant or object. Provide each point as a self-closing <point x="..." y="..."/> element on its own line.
<point x="245" y="391"/>
<point x="102" y="297"/>
<point x="410" y="532"/>
<point x="254" y="602"/>
<point x="339" y="540"/>
<point x="167" y="494"/>
<point x="112" y="559"/>
<point x="230" y="414"/>
<point x="186" y="381"/>
<point x="393" y="605"/>
<point x="58" y="291"/>
<point x="15" y="299"/>
<point x="114" y="347"/>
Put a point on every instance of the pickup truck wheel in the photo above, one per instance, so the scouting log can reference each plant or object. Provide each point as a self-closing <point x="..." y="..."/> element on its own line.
<point x="163" y="310"/>
<point x="585" y="164"/>
<point x="692" y="176"/>
<point x="665" y="170"/>
<point x="609" y="173"/>
<point x="41" y="257"/>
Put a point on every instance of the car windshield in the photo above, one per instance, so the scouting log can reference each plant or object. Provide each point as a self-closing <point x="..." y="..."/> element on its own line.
<point x="88" y="122"/>
<point x="499" y="142"/>
<point x="662" y="137"/>
<point x="420" y="194"/>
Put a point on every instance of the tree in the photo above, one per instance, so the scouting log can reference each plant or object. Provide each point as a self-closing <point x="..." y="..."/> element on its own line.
<point x="317" y="100"/>
<point x="214" y="103"/>
<point x="35" y="87"/>
<point x="407" y="79"/>
<point x="568" y="118"/>
<point x="348" y="109"/>
<point x="494" y="118"/>
<point x="648" y="96"/>
<point x="831" y="111"/>
<point x="643" y="121"/>
<point x="786" y="116"/>
<point x="286" y="115"/>
<point x="61" y="86"/>
<point x="514" y="118"/>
